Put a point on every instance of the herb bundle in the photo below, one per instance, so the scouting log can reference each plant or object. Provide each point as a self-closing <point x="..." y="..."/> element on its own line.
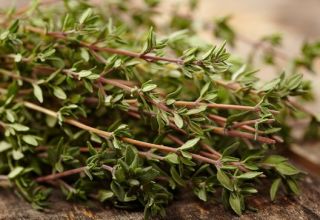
<point x="93" y="107"/>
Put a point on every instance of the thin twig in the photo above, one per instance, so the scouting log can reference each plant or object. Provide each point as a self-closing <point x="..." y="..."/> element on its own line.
<point x="235" y="133"/>
<point x="4" y="178"/>
<point x="109" y="134"/>
<point x="221" y="106"/>
<point x="60" y="175"/>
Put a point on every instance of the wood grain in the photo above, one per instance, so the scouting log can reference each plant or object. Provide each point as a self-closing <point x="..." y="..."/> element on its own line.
<point x="186" y="206"/>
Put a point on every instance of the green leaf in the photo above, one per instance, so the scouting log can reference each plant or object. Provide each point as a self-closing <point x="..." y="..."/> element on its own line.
<point x="86" y="171"/>
<point x="294" y="81"/>
<point x="272" y="130"/>
<point x="286" y="169"/>
<point x="178" y="120"/>
<point x="133" y="182"/>
<point x="30" y="139"/>
<point x="14" y="26"/>
<point x="235" y="203"/>
<point x="51" y="121"/>
<point x="175" y="93"/>
<point x="10" y="115"/>
<point x="19" y="127"/>
<point x="4" y="146"/>
<point x="186" y="155"/>
<point x="237" y="117"/>
<point x="84" y="73"/>
<point x="4" y="35"/>
<point x="201" y="193"/>
<point x="149" y="173"/>
<point x="17" y="58"/>
<point x="129" y="198"/>
<point x="274" y="188"/>
<point x="104" y="195"/>
<point x="92" y="150"/>
<point x="130" y="155"/>
<point x="37" y="92"/>
<point x="204" y="167"/>
<point x="249" y="190"/>
<point x="59" y="93"/>
<point x="177" y="178"/>
<point x="85" y="54"/>
<point x="17" y="154"/>
<point x="46" y="54"/>
<point x="205" y="89"/>
<point x="118" y="190"/>
<point x="196" y="110"/>
<point x="116" y="143"/>
<point x="207" y="54"/>
<point x="171" y="101"/>
<point x="189" y="144"/>
<point x="274" y="159"/>
<point x="135" y="163"/>
<point x="249" y="175"/>
<point x="87" y="13"/>
<point x="293" y="186"/>
<point x="172" y="158"/>
<point x="148" y="87"/>
<point x="15" y="172"/>
<point x="271" y="85"/>
<point x="224" y="180"/>
<point x="119" y="174"/>
<point x="151" y="42"/>
<point x="229" y="150"/>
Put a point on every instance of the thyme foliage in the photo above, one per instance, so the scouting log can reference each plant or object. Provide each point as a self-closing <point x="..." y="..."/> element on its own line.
<point x="90" y="105"/>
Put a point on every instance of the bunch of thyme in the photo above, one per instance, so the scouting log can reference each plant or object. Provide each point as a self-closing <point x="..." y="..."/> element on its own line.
<point x="93" y="107"/>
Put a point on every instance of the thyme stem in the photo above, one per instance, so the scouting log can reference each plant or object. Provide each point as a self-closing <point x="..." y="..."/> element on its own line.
<point x="60" y="175"/>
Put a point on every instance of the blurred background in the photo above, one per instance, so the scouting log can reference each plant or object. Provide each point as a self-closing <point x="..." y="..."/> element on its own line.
<point x="297" y="21"/>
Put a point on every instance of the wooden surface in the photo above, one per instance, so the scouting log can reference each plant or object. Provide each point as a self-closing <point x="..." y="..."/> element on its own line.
<point x="186" y="206"/>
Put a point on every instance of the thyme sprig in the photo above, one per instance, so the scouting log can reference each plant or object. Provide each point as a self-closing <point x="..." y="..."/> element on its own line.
<point x="89" y="105"/>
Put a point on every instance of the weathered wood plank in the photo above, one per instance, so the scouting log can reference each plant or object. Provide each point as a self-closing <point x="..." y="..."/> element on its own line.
<point x="305" y="206"/>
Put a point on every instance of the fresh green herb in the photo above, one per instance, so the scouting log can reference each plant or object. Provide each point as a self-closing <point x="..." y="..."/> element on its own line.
<point x="133" y="117"/>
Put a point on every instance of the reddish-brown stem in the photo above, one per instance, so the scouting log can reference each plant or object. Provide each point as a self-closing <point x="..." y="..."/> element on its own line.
<point x="171" y="124"/>
<point x="109" y="134"/>
<point x="107" y="167"/>
<point x="209" y="105"/>
<point x="236" y="86"/>
<point x="221" y="121"/>
<point x="221" y="106"/>
<point x="60" y="175"/>
<point x="234" y="133"/>
<point x="250" y="122"/>
<point x="15" y="76"/>
<point x="149" y="155"/>
<point x="175" y="139"/>
<point x="62" y="35"/>
<point x="206" y="154"/>
<point x="134" y="114"/>
<point x="179" y="141"/>
<point x="160" y="105"/>
<point x="214" y="153"/>
<point x="127" y="88"/>
<point x="4" y="178"/>
<point x="115" y="83"/>
<point x="189" y="103"/>
<point x="236" y="164"/>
